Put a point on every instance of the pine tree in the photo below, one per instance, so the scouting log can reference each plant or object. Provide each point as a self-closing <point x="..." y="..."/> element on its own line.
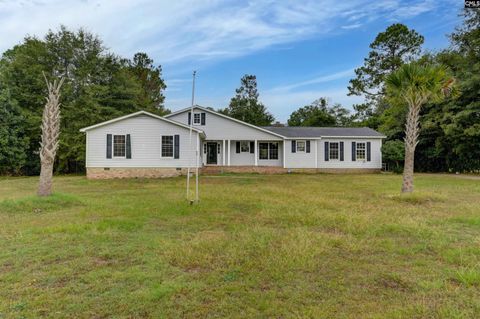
<point x="392" y="48"/>
<point x="245" y="105"/>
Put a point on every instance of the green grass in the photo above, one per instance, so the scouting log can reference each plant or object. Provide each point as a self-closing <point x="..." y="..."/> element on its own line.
<point x="282" y="246"/>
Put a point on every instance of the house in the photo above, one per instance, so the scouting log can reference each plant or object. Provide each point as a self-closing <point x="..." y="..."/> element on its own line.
<point x="142" y="144"/>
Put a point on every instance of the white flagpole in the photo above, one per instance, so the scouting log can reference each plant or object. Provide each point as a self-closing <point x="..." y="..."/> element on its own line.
<point x="191" y="126"/>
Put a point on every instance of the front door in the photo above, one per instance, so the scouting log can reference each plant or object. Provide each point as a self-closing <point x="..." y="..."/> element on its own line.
<point x="211" y="153"/>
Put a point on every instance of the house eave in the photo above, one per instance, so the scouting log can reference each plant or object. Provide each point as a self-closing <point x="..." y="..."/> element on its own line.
<point x="356" y="136"/>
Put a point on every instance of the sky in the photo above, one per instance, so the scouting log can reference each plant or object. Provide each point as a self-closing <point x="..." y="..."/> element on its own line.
<point x="299" y="50"/>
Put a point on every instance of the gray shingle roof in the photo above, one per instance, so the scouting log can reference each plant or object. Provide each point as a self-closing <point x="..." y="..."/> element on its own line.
<point x="300" y="131"/>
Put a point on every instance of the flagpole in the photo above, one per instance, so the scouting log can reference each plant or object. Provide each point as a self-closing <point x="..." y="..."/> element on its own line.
<point x="196" y="152"/>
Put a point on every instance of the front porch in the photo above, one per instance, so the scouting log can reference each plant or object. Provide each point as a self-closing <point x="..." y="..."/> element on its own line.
<point x="238" y="153"/>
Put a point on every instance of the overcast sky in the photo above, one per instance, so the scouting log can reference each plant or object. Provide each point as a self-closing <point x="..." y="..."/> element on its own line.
<point x="299" y="50"/>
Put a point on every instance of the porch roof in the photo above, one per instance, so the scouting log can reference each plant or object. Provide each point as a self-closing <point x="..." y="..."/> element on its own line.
<point x="320" y="132"/>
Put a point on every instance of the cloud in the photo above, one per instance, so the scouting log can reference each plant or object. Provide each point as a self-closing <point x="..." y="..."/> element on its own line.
<point x="183" y="35"/>
<point x="181" y="31"/>
<point x="317" y="80"/>
<point x="351" y="26"/>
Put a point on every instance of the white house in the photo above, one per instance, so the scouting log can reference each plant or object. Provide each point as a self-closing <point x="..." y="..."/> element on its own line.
<point x="142" y="144"/>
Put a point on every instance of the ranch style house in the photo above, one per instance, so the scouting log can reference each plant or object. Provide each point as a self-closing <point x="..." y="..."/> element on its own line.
<point x="143" y="144"/>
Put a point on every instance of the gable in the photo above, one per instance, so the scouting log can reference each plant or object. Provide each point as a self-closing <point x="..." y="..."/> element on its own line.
<point x="145" y="114"/>
<point x="220" y="127"/>
<point x="141" y="123"/>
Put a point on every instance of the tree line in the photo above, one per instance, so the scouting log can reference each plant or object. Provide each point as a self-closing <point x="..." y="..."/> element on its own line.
<point x="100" y="85"/>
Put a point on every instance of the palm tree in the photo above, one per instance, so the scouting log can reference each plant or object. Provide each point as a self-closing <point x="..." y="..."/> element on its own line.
<point x="415" y="84"/>
<point x="50" y="134"/>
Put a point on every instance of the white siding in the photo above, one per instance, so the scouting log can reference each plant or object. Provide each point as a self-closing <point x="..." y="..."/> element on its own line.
<point x="376" y="153"/>
<point x="307" y="160"/>
<point x="299" y="159"/>
<point x="219" y="128"/>
<point x="145" y="133"/>
<point x="242" y="158"/>
<point x="248" y="159"/>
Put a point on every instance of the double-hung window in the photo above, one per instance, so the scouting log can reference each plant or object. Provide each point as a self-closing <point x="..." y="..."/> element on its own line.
<point x="360" y="152"/>
<point x="244" y="146"/>
<point x="334" y="151"/>
<point x="263" y="151"/>
<point x="273" y="151"/>
<point x="268" y="151"/>
<point x="301" y="146"/>
<point x="196" y="118"/>
<point x="167" y="146"/>
<point x="119" y="147"/>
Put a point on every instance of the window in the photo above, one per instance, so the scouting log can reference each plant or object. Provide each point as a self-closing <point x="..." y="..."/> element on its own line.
<point x="333" y="150"/>
<point x="263" y="150"/>
<point x="273" y="151"/>
<point x="244" y="146"/>
<point x="196" y="118"/>
<point x="360" y="151"/>
<point x="301" y="146"/>
<point x="167" y="146"/>
<point x="119" y="146"/>
<point x="268" y="151"/>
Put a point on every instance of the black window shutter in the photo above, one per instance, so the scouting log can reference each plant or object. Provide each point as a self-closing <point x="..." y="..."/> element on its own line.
<point x="308" y="146"/>
<point x="294" y="146"/>
<point x="354" y="151"/>
<point x="237" y="147"/>
<point x="369" y="152"/>
<point x="218" y="148"/>
<point x="109" y="145"/>
<point x="202" y="118"/>
<point x="176" y="146"/>
<point x="326" y="151"/>
<point x="189" y="118"/>
<point x="128" y="147"/>
<point x="341" y="151"/>
<point x="252" y="147"/>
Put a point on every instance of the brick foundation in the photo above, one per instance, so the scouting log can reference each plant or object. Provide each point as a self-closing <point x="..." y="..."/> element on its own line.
<point x="243" y="169"/>
<point x="348" y="170"/>
<point x="122" y="172"/>
<point x="280" y="170"/>
<point x="152" y="172"/>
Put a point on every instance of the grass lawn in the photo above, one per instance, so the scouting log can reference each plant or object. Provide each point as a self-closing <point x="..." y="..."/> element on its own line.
<point x="282" y="246"/>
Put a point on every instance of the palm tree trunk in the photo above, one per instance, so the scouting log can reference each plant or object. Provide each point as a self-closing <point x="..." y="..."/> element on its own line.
<point x="50" y="134"/>
<point x="407" y="185"/>
<point x="45" y="185"/>
<point x="411" y="137"/>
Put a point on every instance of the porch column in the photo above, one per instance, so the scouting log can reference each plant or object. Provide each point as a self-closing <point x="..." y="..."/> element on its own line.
<point x="284" y="148"/>
<point x="224" y="153"/>
<point x="316" y="153"/>
<point x="255" y="153"/>
<point x="228" y="154"/>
